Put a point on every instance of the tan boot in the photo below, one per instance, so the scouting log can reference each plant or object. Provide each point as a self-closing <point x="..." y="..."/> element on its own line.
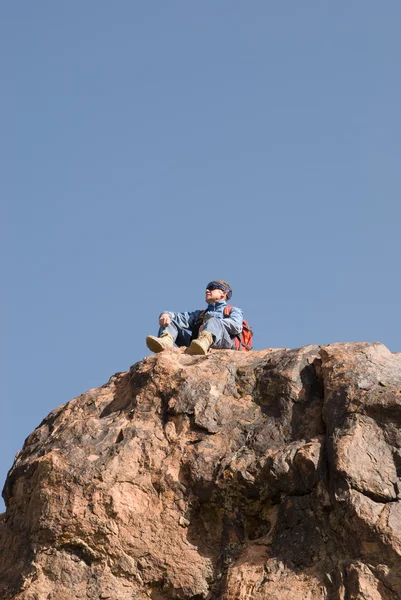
<point x="202" y="344"/>
<point x="158" y="344"/>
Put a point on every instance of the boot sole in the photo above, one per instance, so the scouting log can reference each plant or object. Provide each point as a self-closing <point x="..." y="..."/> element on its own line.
<point x="154" y="345"/>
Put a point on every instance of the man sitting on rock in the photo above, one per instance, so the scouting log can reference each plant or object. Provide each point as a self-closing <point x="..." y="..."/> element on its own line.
<point x="201" y="329"/>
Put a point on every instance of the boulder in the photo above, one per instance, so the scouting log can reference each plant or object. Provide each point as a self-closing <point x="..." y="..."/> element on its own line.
<point x="269" y="475"/>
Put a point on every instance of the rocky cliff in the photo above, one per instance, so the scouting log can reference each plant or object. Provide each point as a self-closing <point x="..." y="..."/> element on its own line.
<point x="263" y="475"/>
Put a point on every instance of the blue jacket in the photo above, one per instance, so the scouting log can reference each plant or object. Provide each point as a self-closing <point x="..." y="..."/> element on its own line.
<point x="233" y="323"/>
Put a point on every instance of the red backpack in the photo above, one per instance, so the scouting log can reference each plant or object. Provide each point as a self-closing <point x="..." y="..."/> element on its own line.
<point x="242" y="341"/>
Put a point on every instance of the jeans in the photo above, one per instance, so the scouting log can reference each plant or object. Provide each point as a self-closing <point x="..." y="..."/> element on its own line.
<point x="221" y="338"/>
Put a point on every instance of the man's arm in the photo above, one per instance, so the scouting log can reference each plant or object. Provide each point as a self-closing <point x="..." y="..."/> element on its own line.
<point x="233" y="323"/>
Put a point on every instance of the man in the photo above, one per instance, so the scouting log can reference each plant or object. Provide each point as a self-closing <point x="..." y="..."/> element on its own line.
<point x="201" y="329"/>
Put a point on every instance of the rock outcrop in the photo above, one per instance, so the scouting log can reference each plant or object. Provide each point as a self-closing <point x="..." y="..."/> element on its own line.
<point x="264" y="475"/>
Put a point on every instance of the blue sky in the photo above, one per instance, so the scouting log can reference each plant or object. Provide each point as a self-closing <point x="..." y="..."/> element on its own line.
<point x="148" y="147"/>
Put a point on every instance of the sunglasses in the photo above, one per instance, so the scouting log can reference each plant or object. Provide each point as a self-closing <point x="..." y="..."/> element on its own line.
<point x="213" y="287"/>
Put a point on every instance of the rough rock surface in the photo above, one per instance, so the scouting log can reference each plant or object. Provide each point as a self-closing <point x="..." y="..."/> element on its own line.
<point x="263" y="475"/>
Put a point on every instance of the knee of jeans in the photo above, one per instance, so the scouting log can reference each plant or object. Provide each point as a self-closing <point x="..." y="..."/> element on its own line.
<point x="212" y="321"/>
<point x="213" y="324"/>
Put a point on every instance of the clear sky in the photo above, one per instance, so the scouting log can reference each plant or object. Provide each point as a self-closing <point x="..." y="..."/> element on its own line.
<point x="148" y="147"/>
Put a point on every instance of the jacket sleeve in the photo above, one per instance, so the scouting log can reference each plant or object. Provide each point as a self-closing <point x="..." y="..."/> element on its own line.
<point x="184" y="320"/>
<point x="233" y="323"/>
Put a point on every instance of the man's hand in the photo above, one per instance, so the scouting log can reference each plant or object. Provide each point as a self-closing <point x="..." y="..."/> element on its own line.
<point x="164" y="320"/>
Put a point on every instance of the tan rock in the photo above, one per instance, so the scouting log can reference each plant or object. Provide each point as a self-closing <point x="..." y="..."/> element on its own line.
<point x="265" y="475"/>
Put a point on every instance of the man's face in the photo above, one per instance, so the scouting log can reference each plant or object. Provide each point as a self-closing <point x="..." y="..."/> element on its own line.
<point x="213" y="296"/>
